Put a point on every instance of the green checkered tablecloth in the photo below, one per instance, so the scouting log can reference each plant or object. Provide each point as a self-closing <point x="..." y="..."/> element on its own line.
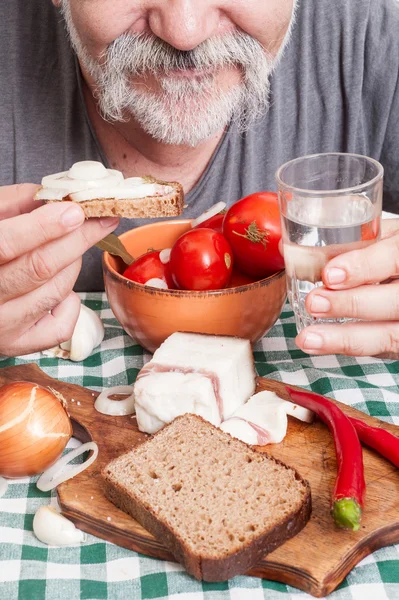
<point x="29" y="570"/>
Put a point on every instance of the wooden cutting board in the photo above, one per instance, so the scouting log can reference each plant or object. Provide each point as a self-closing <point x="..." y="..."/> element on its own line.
<point x="316" y="560"/>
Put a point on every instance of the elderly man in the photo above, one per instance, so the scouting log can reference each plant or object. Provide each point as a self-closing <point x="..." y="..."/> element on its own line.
<point x="213" y="93"/>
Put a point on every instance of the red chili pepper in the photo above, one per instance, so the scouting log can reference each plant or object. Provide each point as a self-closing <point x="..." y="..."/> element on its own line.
<point x="385" y="443"/>
<point x="349" y="491"/>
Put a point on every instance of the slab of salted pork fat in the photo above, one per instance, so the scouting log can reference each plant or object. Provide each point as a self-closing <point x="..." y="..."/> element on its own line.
<point x="207" y="375"/>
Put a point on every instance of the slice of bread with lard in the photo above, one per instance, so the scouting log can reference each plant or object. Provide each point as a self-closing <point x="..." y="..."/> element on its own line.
<point x="103" y="192"/>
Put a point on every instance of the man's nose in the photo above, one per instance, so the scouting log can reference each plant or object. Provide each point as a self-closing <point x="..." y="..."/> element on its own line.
<point x="184" y="24"/>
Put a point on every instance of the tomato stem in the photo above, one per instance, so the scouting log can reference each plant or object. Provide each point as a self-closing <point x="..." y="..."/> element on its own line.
<point x="254" y="234"/>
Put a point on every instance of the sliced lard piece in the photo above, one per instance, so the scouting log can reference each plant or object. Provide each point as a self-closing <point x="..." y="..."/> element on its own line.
<point x="294" y="410"/>
<point x="264" y="419"/>
<point x="226" y="361"/>
<point x="245" y="431"/>
<point x="258" y="427"/>
<point x="161" y="397"/>
<point x="122" y="190"/>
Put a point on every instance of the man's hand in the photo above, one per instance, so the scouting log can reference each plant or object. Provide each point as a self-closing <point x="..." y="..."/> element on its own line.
<point x="350" y="291"/>
<point x="40" y="259"/>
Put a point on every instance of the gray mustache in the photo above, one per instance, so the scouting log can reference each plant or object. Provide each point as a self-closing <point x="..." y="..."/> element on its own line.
<point x="142" y="53"/>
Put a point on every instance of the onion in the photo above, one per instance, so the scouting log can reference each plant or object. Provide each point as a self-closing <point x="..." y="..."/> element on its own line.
<point x="89" y="180"/>
<point x="3" y="486"/>
<point x="87" y="169"/>
<point x="34" y="429"/>
<point x="116" y="408"/>
<point x="58" y="474"/>
<point x="211" y="212"/>
<point x="55" y="530"/>
<point x="83" y="175"/>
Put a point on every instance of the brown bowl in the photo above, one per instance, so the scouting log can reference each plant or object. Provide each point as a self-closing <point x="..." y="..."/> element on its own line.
<point x="150" y="315"/>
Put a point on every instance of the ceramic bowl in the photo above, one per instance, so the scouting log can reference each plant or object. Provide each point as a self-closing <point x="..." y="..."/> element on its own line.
<point x="150" y="315"/>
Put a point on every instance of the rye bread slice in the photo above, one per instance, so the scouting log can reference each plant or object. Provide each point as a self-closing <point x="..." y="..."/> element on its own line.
<point x="149" y="207"/>
<point x="218" y="505"/>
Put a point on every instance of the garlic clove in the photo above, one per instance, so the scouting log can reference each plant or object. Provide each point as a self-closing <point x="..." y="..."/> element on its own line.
<point x="164" y="255"/>
<point x="87" y="335"/>
<point x="55" y="530"/>
<point x="157" y="283"/>
<point x="66" y="346"/>
<point x="56" y="352"/>
<point x="208" y="214"/>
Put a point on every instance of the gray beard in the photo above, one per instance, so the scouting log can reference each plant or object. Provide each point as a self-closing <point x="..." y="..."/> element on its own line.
<point x="186" y="111"/>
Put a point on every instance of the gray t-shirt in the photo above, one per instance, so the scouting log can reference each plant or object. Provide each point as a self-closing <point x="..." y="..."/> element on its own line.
<point x="336" y="88"/>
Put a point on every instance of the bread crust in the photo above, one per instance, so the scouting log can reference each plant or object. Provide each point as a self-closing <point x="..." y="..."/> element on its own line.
<point x="201" y="567"/>
<point x="149" y="207"/>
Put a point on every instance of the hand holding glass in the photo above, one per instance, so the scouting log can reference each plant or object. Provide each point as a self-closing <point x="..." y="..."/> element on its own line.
<point x="329" y="204"/>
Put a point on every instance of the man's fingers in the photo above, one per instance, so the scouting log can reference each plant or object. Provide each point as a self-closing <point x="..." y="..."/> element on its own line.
<point x="51" y="330"/>
<point x="368" y="302"/>
<point x="352" y="339"/>
<point x="32" y="270"/>
<point x="389" y="226"/>
<point x="26" y="232"/>
<point x="17" y="199"/>
<point x="21" y="313"/>
<point x="373" y="264"/>
<point x="58" y="326"/>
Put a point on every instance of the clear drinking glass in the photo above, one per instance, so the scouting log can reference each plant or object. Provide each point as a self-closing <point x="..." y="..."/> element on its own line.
<point x="329" y="204"/>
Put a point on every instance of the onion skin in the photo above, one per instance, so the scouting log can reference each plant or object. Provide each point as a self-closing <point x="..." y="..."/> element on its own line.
<point x="34" y="429"/>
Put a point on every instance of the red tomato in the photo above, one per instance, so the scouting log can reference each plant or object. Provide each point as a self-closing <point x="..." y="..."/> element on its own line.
<point x="215" y="222"/>
<point x="149" y="266"/>
<point x="252" y="226"/>
<point x="237" y="279"/>
<point x="201" y="259"/>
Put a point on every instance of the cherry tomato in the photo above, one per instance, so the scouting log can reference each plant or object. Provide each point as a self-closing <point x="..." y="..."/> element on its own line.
<point x="252" y="226"/>
<point x="215" y="222"/>
<point x="201" y="259"/>
<point x="149" y="266"/>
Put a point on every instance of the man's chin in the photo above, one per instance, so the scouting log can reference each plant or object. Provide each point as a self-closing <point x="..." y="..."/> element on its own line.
<point x="187" y="132"/>
<point x="185" y="119"/>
